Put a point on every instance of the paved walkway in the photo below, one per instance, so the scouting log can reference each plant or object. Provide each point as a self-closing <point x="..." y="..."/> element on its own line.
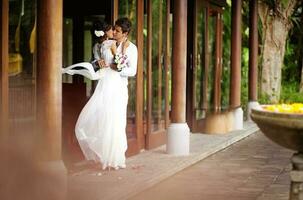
<point x="253" y="169"/>
<point x="149" y="168"/>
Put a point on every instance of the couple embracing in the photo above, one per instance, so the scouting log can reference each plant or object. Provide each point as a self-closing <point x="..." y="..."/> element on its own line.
<point x="101" y="126"/>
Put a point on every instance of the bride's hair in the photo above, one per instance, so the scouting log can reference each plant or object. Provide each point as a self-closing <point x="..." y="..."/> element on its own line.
<point x="106" y="27"/>
<point x="101" y="26"/>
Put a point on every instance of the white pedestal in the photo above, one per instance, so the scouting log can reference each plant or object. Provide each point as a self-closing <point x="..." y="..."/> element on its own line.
<point x="178" y="139"/>
<point x="238" y="119"/>
<point x="251" y="105"/>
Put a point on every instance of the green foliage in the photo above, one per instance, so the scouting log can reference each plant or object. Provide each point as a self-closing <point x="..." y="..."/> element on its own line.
<point x="127" y="8"/>
<point x="292" y="60"/>
<point x="292" y="65"/>
<point x="244" y="77"/>
<point x="264" y="99"/>
<point x="284" y="3"/>
<point x="226" y="56"/>
<point x="245" y="56"/>
<point x="293" y="53"/>
<point x="290" y="70"/>
<point x="290" y="94"/>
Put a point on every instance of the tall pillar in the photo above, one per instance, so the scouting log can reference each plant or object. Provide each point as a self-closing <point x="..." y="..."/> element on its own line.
<point x="139" y="77"/>
<point x="49" y="91"/>
<point x="178" y="131"/>
<point x="235" y="79"/>
<point x="114" y="11"/>
<point x="253" y="57"/>
<point x="4" y="70"/>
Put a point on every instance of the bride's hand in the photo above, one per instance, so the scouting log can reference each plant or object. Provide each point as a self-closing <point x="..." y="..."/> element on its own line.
<point x="125" y="45"/>
<point x="102" y="63"/>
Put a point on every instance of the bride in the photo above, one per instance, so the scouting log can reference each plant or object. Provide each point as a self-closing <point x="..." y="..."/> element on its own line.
<point x="101" y="126"/>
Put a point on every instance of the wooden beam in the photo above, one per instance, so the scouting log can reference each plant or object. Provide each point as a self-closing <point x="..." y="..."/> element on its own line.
<point x="236" y="41"/>
<point x="49" y="83"/>
<point x="167" y="63"/>
<point x="159" y="63"/>
<point x="179" y="62"/>
<point x="4" y="61"/>
<point x="149" y="71"/>
<point x="139" y="79"/>
<point x="253" y="51"/>
<point x="115" y="10"/>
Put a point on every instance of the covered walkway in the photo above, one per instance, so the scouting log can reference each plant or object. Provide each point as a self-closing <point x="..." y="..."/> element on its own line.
<point x="252" y="168"/>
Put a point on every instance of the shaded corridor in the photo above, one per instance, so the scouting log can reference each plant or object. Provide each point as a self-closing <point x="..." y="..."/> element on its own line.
<point x="253" y="168"/>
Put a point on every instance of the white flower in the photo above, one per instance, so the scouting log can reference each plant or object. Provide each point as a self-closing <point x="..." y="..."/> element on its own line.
<point x="120" y="60"/>
<point x="99" y="33"/>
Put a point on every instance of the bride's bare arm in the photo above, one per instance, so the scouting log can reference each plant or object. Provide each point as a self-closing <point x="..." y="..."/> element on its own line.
<point x="125" y="44"/>
<point x="113" y="48"/>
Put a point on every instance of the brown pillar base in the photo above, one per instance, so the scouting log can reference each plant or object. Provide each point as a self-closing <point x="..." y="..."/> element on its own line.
<point x="296" y="177"/>
<point x="23" y="177"/>
<point x="225" y="119"/>
<point x="53" y="181"/>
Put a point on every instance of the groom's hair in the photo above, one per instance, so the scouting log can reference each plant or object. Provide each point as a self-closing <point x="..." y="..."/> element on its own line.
<point x="125" y="24"/>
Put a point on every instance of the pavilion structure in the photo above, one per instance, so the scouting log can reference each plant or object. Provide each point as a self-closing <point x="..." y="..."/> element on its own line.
<point x="177" y="89"/>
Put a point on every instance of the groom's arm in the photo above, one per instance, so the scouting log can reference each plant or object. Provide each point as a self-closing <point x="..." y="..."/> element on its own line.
<point x="131" y="68"/>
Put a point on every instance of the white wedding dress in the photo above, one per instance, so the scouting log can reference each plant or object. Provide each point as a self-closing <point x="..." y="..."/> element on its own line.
<point x="101" y="126"/>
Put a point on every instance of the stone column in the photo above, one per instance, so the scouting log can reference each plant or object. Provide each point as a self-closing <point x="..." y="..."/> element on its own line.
<point x="253" y="57"/>
<point x="49" y="92"/>
<point x="178" y="131"/>
<point x="235" y="79"/>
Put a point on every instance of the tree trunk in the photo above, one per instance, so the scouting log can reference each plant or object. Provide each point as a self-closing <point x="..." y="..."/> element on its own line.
<point x="301" y="83"/>
<point x="276" y="24"/>
<point x="273" y="54"/>
<point x="301" y="56"/>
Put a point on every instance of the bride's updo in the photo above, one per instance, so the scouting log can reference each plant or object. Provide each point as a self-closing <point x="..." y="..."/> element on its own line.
<point x="99" y="30"/>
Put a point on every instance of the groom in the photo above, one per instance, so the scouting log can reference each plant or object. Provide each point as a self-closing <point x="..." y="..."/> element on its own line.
<point x="122" y="29"/>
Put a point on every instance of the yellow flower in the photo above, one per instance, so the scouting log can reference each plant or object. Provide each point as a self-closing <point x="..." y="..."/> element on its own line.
<point x="286" y="108"/>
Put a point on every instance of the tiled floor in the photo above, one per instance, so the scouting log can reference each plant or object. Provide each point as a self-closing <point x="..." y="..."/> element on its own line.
<point x="149" y="168"/>
<point x="254" y="168"/>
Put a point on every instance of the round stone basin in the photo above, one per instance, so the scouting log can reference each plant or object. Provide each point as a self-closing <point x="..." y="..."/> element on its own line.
<point x="285" y="129"/>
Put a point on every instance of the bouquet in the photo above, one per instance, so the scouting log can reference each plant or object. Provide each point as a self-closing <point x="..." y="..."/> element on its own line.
<point x="120" y="60"/>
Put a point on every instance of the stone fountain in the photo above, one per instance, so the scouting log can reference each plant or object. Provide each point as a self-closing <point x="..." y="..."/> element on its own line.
<point x="285" y="129"/>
